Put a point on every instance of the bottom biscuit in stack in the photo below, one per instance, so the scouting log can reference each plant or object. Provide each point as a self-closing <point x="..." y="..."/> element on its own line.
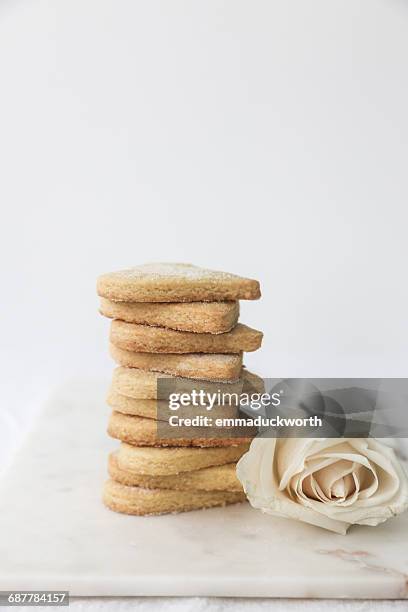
<point x="142" y="502"/>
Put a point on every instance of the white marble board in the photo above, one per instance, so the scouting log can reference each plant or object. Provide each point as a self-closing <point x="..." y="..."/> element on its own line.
<point x="56" y="534"/>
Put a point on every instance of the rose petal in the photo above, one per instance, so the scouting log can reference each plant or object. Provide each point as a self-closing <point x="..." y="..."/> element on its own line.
<point x="331" y="483"/>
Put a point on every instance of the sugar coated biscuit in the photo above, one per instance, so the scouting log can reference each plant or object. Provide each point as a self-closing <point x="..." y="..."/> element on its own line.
<point x="142" y="502"/>
<point x="146" y="339"/>
<point x="199" y="317"/>
<point x="203" y="366"/>
<point x="216" y="478"/>
<point x="143" y="432"/>
<point x="175" y="282"/>
<point x="155" y="461"/>
<point x="159" y="409"/>
<point x="141" y="384"/>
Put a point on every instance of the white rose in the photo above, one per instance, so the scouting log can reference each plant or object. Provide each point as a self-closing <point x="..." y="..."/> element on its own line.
<point x="328" y="482"/>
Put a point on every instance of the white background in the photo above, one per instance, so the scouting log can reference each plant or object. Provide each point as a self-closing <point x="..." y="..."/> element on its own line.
<point x="260" y="137"/>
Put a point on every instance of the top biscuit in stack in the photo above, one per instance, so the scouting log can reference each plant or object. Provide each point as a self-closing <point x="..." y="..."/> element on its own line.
<point x="166" y="282"/>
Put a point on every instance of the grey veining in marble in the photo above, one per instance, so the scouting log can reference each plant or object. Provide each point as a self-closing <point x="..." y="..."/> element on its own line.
<point x="56" y="534"/>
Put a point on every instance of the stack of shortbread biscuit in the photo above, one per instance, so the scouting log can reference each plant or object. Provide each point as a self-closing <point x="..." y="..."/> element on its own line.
<point x="173" y="321"/>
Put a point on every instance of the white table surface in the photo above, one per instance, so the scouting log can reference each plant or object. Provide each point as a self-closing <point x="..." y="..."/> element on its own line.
<point x="208" y="604"/>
